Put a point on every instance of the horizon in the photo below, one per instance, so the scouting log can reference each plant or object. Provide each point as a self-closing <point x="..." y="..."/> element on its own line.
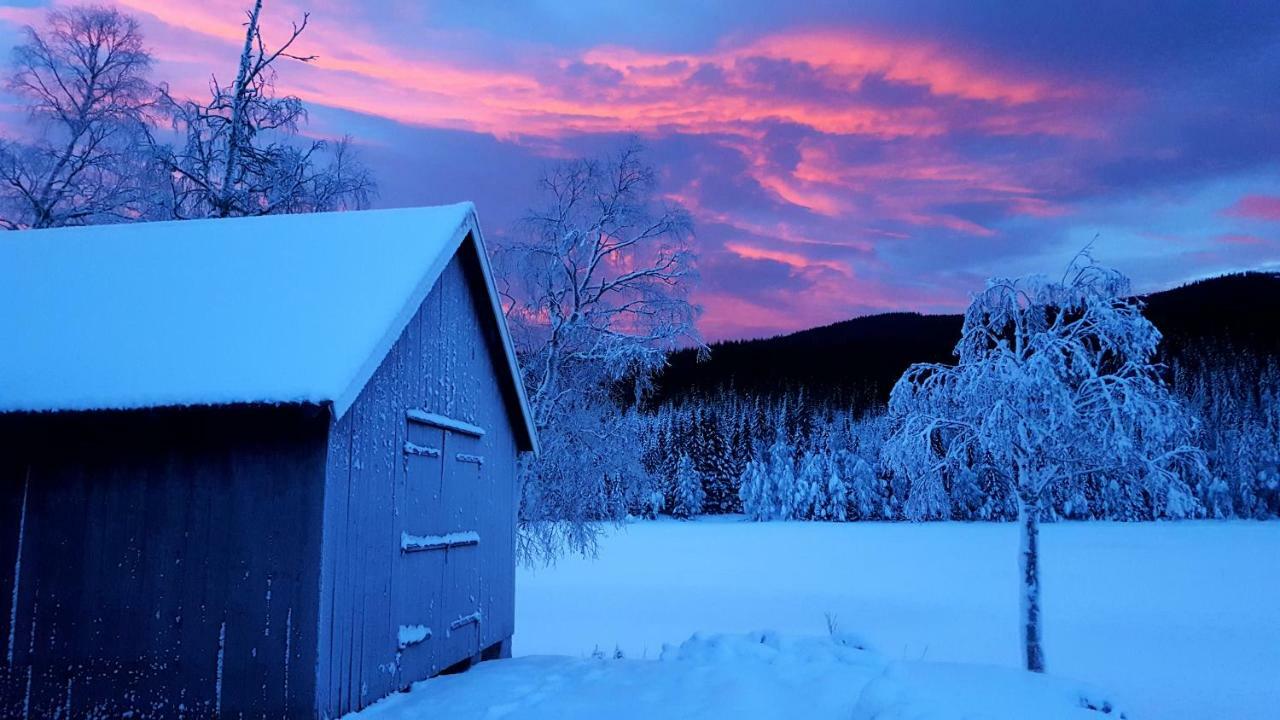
<point x="1178" y="285"/>
<point x="837" y="162"/>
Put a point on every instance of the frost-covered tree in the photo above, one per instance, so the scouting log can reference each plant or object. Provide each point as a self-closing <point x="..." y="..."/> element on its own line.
<point x="240" y="154"/>
<point x="1054" y="380"/>
<point x="84" y="79"/>
<point x="752" y="491"/>
<point x="711" y="453"/>
<point x="779" y="498"/>
<point x="966" y="498"/>
<point x="809" y="498"/>
<point x="596" y="287"/>
<point x="866" y="496"/>
<point x="927" y="497"/>
<point x="1239" y="401"/>
<point x="835" y="505"/>
<point x="690" y="496"/>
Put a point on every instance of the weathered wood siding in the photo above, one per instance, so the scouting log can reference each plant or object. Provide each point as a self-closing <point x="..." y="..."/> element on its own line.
<point x="160" y="563"/>
<point x="447" y="362"/>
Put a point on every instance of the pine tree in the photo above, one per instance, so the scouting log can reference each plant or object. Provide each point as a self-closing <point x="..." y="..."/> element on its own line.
<point x="751" y="491"/>
<point x="690" y="497"/>
<point x="739" y="455"/>
<point x="1071" y="498"/>
<point x="779" y="495"/>
<point x="866" y="497"/>
<point x="713" y="463"/>
<point x="809" y="495"/>
<point x="836" y="497"/>
<point x="967" y="502"/>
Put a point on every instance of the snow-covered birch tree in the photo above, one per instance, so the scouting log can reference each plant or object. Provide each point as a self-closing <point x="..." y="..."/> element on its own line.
<point x="596" y="286"/>
<point x="1054" y="379"/>
<point x="84" y="77"/>
<point x="239" y="153"/>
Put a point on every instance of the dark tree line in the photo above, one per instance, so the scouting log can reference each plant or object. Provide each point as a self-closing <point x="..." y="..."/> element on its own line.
<point x="855" y="363"/>
<point x="792" y="443"/>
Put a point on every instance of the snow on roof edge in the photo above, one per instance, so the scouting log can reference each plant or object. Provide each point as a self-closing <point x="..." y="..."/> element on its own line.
<point x="426" y="281"/>
<point x="508" y="347"/>
<point x="469" y="227"/>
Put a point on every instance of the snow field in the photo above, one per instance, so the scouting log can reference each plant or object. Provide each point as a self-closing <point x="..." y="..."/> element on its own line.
<point x="883" y="621"/>
<point x="1174" y="620"/>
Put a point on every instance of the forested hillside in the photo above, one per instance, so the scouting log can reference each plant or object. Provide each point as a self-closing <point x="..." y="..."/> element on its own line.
<point x="808" y="409"/>
<point x="856" y="362"/>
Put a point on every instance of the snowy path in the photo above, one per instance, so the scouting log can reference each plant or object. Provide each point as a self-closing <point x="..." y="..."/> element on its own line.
<point x="1178" y="619"/>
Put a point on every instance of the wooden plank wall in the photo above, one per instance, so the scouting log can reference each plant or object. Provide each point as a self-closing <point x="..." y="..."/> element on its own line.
<point x="447" y="362"/>
<point x="169" y="562"/>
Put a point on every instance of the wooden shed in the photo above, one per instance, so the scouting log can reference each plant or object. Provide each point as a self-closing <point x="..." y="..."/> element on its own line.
<point x="252" y="468"/>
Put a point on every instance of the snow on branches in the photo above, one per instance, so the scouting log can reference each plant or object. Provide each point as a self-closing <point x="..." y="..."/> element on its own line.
<point x="595" y="286"/>
<point x="690" y="496"/>
<point x="1055" y="380"/>
<point x="239" y="153"/>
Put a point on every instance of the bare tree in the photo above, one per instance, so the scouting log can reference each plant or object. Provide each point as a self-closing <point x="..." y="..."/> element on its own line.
<point x="596" y="289"/>
<point x="239" y="154"/>
<point x="85" y="77"/>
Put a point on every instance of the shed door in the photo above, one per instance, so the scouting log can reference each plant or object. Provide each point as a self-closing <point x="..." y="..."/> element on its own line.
<point x="420" y="577"/>
<point x="439" y="512"/>
<point x="464" y="506"/>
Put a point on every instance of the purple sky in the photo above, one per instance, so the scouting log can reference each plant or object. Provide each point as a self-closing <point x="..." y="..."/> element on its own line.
<point x="837" y="161"/>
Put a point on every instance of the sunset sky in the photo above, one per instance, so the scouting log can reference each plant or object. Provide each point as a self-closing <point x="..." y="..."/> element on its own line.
<point x="837" y="161"/>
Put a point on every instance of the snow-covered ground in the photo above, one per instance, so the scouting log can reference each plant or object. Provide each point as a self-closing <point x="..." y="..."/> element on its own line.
<point x="1175" y="620"/>
<point x="750" y="676"/>
<point x="1180" y="620"/>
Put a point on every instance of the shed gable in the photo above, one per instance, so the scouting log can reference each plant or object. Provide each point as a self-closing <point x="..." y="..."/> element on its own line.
<point x="420" y="504"/>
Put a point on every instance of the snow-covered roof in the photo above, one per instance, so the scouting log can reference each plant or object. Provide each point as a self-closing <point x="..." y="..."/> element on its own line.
<point x="279" y="309"/>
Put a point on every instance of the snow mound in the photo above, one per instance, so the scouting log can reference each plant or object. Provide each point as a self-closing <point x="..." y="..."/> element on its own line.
<point x="770" y="648"/>
<point x="950" y="691"/>
<point x="750" y="676"/>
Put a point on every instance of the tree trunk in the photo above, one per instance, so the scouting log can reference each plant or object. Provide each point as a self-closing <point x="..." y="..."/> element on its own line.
<point x="237" y="113"/>
<point x="1029" y="564"/>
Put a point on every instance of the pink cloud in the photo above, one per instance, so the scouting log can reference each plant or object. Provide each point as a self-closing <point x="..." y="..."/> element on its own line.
<point x="823" y="175"/>
<point x="791" y="259"/>
<point x="1243" y="239"/>
<point x="544" y="99"/>
<point x="23" y="15"/>
<point x="654" y="92"/>
<point x="1256" y="207"/>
